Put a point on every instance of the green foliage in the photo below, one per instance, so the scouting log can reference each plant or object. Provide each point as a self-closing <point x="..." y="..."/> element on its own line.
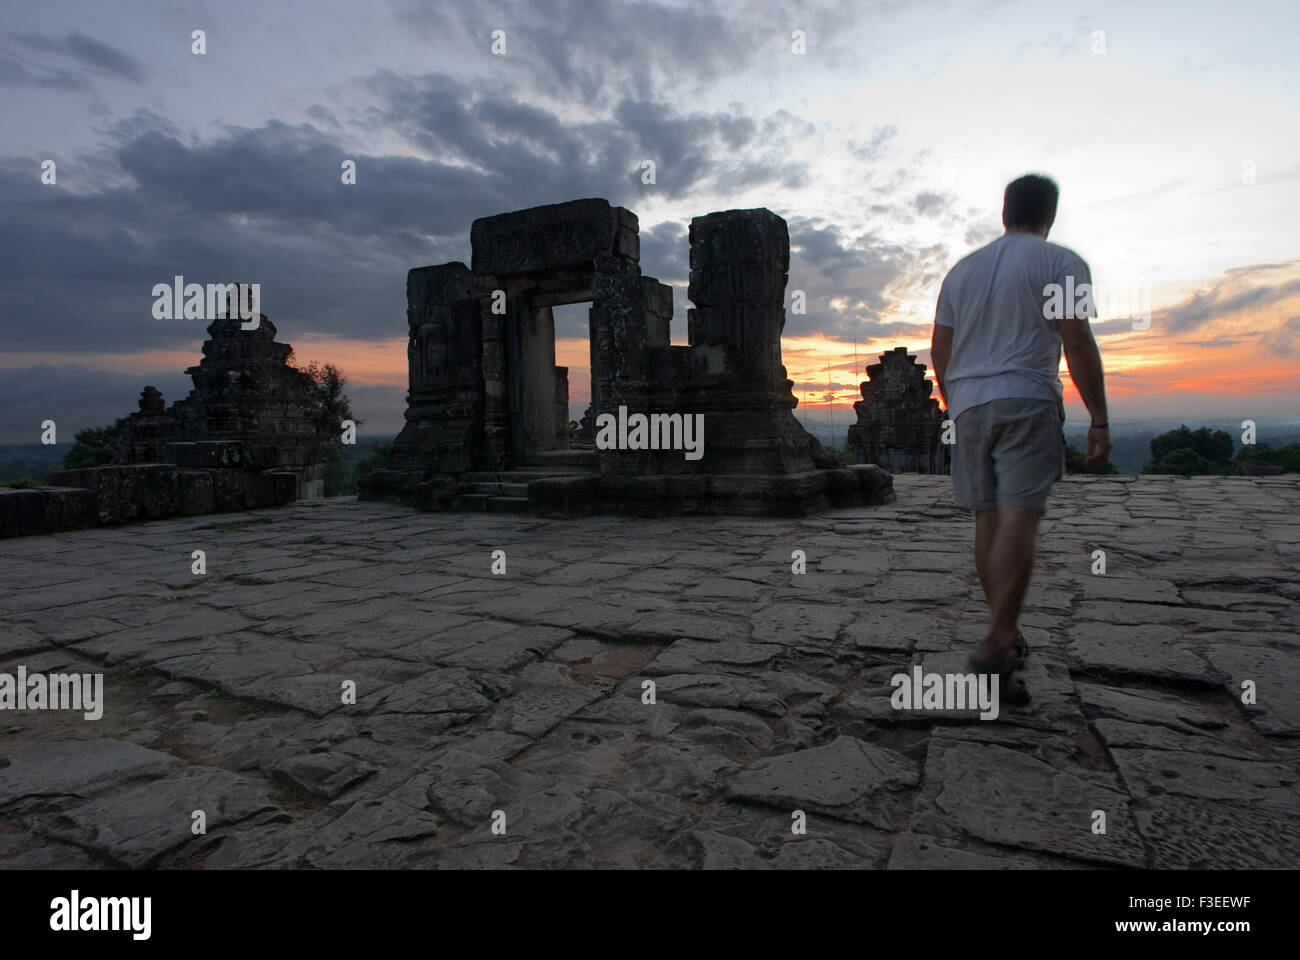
<point x="22" y="483"/>
<point x="1191" y="452"/>
<point x="1288" y="457"/>
<point x="1184" y="462"/>
<point x="94" y="447"/>
<point x="329" y="401"/>
<point x="330" y="407"/>
<point x="339" y="480"/>
<point x="376" y="460"/>
<point x="1074" y="463"/>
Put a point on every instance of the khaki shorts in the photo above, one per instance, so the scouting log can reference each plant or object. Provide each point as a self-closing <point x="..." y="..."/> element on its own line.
<point x="1008" y="453"/>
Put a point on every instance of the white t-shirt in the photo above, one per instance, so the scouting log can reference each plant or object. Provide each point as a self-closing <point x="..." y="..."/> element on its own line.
<point x="1003" y="345"/>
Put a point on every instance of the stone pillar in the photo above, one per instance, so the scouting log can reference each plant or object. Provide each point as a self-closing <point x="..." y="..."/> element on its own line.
<point x="739" y="264"/>
<point x="445" y="404"/>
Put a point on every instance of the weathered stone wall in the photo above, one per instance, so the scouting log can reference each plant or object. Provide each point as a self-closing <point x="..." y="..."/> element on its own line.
<point x="502" y="404"/>
<point x="94" y="496"/>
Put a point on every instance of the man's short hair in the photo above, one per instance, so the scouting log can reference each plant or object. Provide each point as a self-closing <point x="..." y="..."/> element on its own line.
<point x="1029" y="202"/>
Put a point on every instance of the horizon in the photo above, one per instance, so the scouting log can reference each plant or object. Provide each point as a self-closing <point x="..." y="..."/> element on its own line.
<point x="883" y="145"/>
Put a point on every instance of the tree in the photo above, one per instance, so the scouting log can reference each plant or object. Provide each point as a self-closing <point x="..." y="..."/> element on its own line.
<point x="1288" y="457"/>
<point x="1183" y="461"/>
<point x="377" y="459"/>
<point x="1202" y="451"/>
<point x="330" y="407"/>
<point x="94" y="447"/>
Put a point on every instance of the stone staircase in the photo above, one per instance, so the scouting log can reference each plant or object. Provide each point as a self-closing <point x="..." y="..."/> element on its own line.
<point x="506" y="491"/>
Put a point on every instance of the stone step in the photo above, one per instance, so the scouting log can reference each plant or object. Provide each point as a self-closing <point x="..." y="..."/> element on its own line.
<point x="472" y="502"/>
<point x="584" y="459"/>
<point x="497" y="488"/>
<point x="508" y="505"/>
<point x="524" y="476"/>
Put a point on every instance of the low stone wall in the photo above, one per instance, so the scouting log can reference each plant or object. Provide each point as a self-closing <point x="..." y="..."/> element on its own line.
<point x="45" y="509"/>
<point x="95" y="496"/>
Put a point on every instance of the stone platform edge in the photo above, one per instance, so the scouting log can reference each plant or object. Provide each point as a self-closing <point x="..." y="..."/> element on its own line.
<point x="109" y="495"/>
<point x="659" y="495"/>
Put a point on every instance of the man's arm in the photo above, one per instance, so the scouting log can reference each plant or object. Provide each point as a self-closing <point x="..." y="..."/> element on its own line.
<point x="1084" y="360"/>
<point x="940" y="354"/>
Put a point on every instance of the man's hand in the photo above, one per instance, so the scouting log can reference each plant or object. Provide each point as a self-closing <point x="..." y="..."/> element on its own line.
<point x="1098" y="446"/>
<point x="940" y="354"/>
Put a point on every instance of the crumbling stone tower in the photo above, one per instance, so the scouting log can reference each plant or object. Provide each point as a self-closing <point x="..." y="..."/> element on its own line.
<point x="249" y="408"/>
<point x="900" y="426"/>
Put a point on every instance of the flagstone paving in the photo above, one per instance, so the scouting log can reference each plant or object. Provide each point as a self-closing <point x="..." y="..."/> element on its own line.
<point x="501" y="720"/>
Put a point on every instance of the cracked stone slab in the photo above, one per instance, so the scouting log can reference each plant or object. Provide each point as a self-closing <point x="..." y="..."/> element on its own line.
<point x="1186" y="834"/>
<point x="1154" y="774"/>
<point x="787" y="623"/>
<point x="1151" y="650"/>
<point x="137" y="827"/>
<point x="915" y="851"/>
<point x="733" y="733"/>
<point x="690" y="656"/>
<point x="848" y="779"/>
<point x="892" y="627"/>
<point x="81" y="768"/>
<point x="718" y="690"/>
<point x="1002" y="796"/>
<point x="1276" y="677"/>
<point x="534" y="711"/>
<point x="324" y="775"/>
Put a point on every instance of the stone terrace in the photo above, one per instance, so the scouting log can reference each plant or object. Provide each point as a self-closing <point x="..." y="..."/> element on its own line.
<point x="522" y="693"/>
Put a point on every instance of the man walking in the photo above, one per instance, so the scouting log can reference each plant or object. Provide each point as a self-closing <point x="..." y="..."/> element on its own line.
<point x="998" y="336"/>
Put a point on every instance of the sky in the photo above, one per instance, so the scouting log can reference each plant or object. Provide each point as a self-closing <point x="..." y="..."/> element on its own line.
<point x="1172" y="129"/>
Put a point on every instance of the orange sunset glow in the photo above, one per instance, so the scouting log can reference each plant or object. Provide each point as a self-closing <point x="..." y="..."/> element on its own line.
<point x="1153" y="371"/>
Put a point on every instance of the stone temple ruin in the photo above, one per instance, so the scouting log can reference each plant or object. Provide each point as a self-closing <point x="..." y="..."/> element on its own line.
<point x="245" y="437"/>
<point x="487" y="410"/>
<point x="249" y="408"/>
<point x="900" y="426"/>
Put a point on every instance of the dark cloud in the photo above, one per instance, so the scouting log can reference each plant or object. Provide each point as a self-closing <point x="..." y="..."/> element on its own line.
<point x="600" y="53"/>
<point x="266" y="205"/>
<point x="1221" y="299"/>
<point x="871" y="149"/>
<point x="1285" y="340"/>
<point x="665" y="251"/>
<point x="929" y="204"/>
<point x="16" y="72"/>
<point x="851" y="283"/>
<point x="979" y="234"/>
<point x="86" y="52"/>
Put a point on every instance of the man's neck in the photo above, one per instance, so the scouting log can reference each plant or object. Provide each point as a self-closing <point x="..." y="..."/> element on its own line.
<point x="1040" y="232"/>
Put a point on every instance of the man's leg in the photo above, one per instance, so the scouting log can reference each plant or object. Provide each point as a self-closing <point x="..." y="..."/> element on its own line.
<point x="1026" y="456"/>
<point x="986" y="525"/>
<point x="1007" y="568"/>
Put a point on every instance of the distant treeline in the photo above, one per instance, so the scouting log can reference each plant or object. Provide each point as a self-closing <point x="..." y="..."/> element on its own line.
<point x="1188" y="453"/>
<point x="28" y="464"/>
<point x="1183" y="451"/>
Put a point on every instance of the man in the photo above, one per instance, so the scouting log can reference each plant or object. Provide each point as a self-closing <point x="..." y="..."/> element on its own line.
<point x="999" y="328"/>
